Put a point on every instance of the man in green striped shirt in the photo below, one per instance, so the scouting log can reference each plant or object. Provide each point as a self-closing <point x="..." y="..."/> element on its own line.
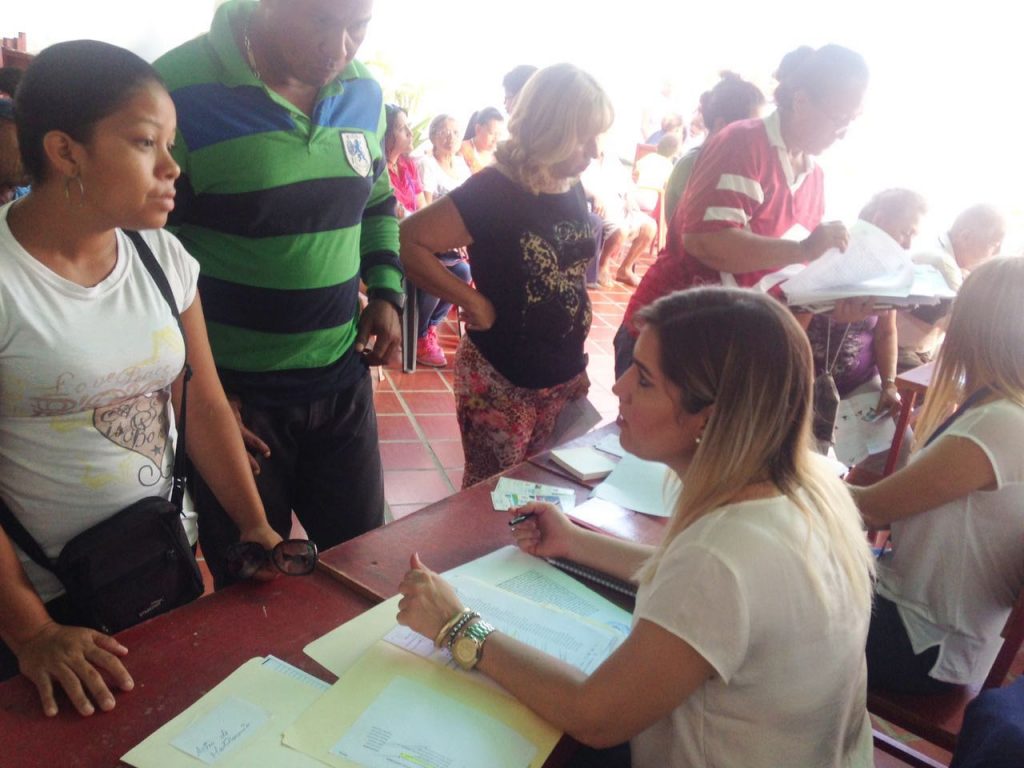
<point x="284" y="199"/>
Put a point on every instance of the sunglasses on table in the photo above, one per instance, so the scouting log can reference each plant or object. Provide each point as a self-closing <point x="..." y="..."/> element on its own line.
<point x="294" y="557"/>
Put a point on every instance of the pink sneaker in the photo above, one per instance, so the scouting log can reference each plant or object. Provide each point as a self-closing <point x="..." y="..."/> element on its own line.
<point x="428" y="350"/>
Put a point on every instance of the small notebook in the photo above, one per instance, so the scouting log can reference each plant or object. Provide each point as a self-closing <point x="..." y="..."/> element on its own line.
<point x="594" y="575"/>
<point x="583" y="463"/>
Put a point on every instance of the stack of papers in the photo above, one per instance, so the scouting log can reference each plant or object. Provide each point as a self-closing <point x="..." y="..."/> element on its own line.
<point x="509" y="494"/>
<point x="873" y="265"/>
<point x="583" y="463"/>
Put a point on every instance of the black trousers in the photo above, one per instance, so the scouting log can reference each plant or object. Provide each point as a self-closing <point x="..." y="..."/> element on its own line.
<point x="324" y="464"/>
<point x="892" y="663"/>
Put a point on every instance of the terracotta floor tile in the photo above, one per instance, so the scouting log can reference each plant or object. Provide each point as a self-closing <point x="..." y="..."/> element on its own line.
<point x="398" y="511"/>
<point x="443" y="427"/>
<point x="387" y="402"/>
<point x="430" y="402"/>
<point x="455" y="476"/>
<point x="416" y="486"/>
<point x="395" y="428"/>
<point x="406" y="456"/>
<point x="422" y="380"/>
<point x="449" y="453"/>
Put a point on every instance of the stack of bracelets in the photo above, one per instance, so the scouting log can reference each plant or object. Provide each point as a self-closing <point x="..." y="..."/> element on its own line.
<point x="464" y="635"/>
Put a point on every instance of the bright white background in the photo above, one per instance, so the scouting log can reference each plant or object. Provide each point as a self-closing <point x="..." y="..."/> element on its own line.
<point x="943" y="114"/>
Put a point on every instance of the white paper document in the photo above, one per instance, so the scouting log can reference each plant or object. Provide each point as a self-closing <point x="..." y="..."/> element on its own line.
<point x="224" y="729"/>
<point x="574" y="640"/>
<point x="509" y="493"/>
<point x="872" y="255"/>
<point x="410" y="725"/>
<point x="531" y="577"/>
<point x="860" y="432"/>
<point x="641" y="486"/>
<point x="610" y="444"/>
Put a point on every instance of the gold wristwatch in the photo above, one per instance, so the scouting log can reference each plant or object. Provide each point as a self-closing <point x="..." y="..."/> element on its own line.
<point x="469" y="646"/>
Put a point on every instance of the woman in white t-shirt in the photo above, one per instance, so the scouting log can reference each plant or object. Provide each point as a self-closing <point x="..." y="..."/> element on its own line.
<point x="90" y="354"/>
<point x="956" y="512"/>
<point x="747" y="647"/>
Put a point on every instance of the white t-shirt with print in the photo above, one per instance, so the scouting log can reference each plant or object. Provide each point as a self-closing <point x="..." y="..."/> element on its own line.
<point x="86" y="425"/>
<point x="955" y="571"/>
<point x="790" y="688"/>
<point x="437" y="180"/>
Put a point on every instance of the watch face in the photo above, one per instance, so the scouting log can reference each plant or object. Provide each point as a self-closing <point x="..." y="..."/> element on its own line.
<point x="464" y="650"/>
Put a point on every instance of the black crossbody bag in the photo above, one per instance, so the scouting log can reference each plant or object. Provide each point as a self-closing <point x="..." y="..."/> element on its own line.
<point x="137" y="563"/>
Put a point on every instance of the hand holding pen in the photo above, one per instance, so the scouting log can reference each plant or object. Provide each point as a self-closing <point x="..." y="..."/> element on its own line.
<point x="542" y="529"/>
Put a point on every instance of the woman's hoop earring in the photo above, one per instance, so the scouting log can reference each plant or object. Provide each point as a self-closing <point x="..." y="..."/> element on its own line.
<point x="81" y="189"/>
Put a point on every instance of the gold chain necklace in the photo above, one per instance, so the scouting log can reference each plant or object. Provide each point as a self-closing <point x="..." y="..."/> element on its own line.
<point x="248" y="49"/>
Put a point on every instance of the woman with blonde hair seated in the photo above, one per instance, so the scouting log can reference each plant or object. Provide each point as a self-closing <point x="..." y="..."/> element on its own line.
<point x="956" y="512"/>
<point x="530" y="237"/>
<point x="747" y="646"/>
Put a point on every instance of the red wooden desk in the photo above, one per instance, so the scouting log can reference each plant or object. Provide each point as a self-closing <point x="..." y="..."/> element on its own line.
<point x="910" y="384"/>
<point x="174" y="659"/>
<point x="448" y="533"/>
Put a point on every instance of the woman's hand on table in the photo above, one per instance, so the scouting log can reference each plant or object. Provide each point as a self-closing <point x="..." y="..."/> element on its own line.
<point x="546" y="533"/>
<point x="73" y="658"/>
<point x="428" y="601"/>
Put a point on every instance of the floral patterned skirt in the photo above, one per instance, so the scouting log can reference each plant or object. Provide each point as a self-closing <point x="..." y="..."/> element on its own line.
<point x="502" y="424"/>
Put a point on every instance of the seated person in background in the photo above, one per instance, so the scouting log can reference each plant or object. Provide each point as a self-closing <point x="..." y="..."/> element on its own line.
<point x="976" y="235"/>
<point x="861" y="355"/>
<point x="442" y="170"/>
<point x="92" y="358"/>
<point x="13" y="177"/>
<point x="513" y="83"/>
<point x="526" y="226"/>
<point x="482" y="135"/>
<point x="732" y="98"/>
<point x="651" y="172"/>
<point x="405" y="179"/>
<point x="608" y="189"/>
<point x="671" y="123"/>
<point x="9" y="79"/>
<point x="956" y="512"/>
<point x="747" y="647"/>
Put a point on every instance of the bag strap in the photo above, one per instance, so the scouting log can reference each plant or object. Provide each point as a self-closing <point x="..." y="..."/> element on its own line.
<point x="12" y="526"/>
<point x="150" y="263"/>
<point x="20" y="536"/>
<point x="981" y="394"/>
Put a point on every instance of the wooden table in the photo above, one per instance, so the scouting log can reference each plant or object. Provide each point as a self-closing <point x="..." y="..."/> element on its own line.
<point x="447" y="533"/>
<point x="174" y="659"/>
<point x="911" y="385"/>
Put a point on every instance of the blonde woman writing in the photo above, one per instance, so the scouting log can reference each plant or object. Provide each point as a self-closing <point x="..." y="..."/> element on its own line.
<point x="747" y="647"/>
<point x="956" y="511"/>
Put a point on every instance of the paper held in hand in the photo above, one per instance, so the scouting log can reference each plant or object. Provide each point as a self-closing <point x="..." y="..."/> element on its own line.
<point x="873" y="264"/>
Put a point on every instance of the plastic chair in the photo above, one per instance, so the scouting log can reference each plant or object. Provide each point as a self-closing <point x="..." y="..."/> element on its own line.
<point x="657" y="213"/>
<point x="937" y="718"/>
